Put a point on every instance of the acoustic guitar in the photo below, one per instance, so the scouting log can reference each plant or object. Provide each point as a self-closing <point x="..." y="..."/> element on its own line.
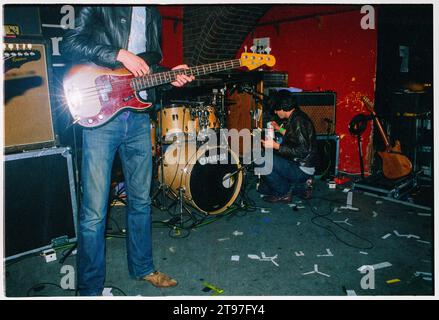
<point x="395" y="164"/>
<point x="94" y="94"/>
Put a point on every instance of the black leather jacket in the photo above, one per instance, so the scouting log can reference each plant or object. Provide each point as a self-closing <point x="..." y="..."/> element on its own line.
<point x="299" y="142"/>
<point x="100" y="32"/>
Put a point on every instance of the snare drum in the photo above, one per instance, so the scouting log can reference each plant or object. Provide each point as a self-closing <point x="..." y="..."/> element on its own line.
<point x="210" y="176"/>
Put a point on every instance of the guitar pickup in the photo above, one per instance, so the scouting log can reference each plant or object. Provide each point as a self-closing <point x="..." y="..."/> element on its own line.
<point x="104" y="87"/>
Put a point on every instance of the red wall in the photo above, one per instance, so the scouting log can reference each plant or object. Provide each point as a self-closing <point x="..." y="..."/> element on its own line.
<point x="333" y="53"/>
<point x="327" y="53"/>
<point x="172" y="39"/>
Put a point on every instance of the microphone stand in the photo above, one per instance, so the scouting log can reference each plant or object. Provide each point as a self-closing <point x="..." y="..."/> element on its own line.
<point x="242" y="193"/>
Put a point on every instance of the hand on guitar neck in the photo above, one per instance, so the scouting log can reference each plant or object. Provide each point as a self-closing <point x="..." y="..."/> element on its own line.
<point x="395" y="164"/>
<point x="138" y="67"/>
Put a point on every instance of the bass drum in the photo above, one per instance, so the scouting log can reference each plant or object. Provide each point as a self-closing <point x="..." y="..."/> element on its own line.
<point x="209" y="176"/>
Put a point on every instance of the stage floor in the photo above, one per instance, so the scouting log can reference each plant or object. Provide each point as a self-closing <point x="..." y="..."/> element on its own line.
<point x="268" y="250"/>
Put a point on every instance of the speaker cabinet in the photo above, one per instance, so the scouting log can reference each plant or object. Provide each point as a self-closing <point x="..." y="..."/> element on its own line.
<point x="320" y="107"/>
<point x="28" y="113"/>
<point x="40" y="201"/>
<point x="328" y="148"/>
<point x="26" y="18"/>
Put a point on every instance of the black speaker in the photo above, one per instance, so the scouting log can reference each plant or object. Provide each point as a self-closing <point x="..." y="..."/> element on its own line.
<point x="328" y="148"/>
<point x="26" y="18"/>
<point x="40" y="201"/>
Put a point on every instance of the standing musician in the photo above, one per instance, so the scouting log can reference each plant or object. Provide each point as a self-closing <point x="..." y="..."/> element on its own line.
<point x="294" y="159"/>
<point x="112" y="37"/>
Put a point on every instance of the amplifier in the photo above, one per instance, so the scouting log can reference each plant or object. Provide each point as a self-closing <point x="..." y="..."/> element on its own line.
<point x="27" y="99"/>
<point x="320" y="107"/>
<point x="40" y="201"/>
<point x="24" y="20"/>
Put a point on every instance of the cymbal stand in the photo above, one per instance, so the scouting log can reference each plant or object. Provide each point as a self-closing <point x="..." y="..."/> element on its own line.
<point x="244" y="199"/>
<point x="222" y="111"/>
<point x="177" y="221"/>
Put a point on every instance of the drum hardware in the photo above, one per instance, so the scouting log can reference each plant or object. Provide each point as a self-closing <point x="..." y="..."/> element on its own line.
<point x="244" y="201"/>
<point x="192" y="182"/>
<point x="179" y="229"/>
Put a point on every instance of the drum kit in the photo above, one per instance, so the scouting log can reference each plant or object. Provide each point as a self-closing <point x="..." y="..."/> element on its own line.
<point x="195" y="175"/>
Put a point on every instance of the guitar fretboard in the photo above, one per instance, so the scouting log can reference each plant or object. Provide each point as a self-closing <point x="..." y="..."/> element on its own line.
<point x="160" y="78"/>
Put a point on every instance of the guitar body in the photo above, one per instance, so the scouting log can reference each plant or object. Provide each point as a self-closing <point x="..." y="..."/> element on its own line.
<point x="96" y="94"/>
<point x="395" y="164"/>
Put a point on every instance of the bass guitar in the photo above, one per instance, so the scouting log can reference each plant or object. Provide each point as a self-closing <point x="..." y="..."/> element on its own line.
<point x="395" y="164"/>
<point x="94" y="94"/>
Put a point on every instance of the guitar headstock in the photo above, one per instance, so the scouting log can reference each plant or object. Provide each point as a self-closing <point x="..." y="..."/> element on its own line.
<point x="369" y="105"/>
<point x="255" y="60"/>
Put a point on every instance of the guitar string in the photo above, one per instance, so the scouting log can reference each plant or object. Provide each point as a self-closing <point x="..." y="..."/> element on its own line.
<point x="93" y="92"/>
<point x="174" y="73"/>
<point x="149" y="82"/>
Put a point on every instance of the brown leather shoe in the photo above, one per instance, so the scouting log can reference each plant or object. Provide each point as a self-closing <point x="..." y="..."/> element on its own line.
<point x="274" y="199"/>
<point x="160" y="280"/>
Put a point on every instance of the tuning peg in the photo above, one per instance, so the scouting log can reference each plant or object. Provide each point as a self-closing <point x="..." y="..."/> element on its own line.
<point x="268" y="50"/>
<point x="245" y="48"/>
<point x="253" y="49"/>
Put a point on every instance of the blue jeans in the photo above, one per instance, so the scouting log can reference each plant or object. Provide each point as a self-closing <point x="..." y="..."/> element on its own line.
<point x="129" y="134"/>
<point x="285" y="173"/>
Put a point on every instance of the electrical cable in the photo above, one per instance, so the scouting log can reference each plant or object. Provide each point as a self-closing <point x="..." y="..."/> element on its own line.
<point x="118" y="289"/>
<point x="41" y="286"/>
<point x="325" y="216"/>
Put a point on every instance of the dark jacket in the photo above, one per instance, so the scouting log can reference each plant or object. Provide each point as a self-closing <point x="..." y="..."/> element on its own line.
<point x="299" y="142"/>
<point x="100" y="32"/>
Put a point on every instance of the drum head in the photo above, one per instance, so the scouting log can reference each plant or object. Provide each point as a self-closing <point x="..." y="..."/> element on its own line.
<point x="215" y="185"/>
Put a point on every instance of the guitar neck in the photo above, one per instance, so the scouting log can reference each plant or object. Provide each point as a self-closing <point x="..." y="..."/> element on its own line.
<point x="382" y="133"/>
<point x="160" y="78"/>
<point x="369" y="106"/>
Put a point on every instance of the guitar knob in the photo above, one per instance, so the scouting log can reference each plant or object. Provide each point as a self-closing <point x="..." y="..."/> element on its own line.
<point x="100" y="117"/>
<point x="90" y="121"/>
